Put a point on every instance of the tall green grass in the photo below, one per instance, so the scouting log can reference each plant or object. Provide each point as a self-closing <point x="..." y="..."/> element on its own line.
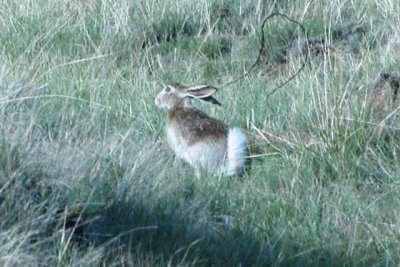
<point x="87" y="179"/>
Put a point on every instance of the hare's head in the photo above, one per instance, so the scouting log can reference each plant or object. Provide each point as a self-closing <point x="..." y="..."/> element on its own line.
<point x="176" y="95"/>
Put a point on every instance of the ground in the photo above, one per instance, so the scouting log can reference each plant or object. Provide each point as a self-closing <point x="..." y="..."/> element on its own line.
<point x="86" y="176"/>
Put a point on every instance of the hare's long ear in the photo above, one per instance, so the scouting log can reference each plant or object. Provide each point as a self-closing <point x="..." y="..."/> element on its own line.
<point x="202" y="92"/>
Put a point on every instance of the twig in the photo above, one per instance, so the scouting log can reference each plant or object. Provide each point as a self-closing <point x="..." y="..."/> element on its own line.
<point x="261" y="51"/>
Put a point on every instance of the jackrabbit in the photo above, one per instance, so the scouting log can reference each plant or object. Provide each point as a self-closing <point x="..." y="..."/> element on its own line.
<point x="204" y="142"/>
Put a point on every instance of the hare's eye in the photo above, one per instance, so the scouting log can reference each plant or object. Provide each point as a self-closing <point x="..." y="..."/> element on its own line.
<point x="167" y="89"/>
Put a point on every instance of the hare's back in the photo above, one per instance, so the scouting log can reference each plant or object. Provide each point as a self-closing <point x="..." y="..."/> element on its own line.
<point x="197" y="127"/>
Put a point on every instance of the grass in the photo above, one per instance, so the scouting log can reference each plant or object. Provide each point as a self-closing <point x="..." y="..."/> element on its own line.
<point x="86" y="177"/>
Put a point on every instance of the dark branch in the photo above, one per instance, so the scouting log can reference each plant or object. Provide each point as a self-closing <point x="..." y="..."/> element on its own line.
<point x="262" y="50"/>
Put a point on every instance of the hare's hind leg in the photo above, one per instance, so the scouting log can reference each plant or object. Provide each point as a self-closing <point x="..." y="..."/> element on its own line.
<point x="206" y="156"/>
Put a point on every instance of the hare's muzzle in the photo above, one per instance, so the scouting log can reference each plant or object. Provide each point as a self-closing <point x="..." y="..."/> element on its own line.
<point x="157" y="100"/>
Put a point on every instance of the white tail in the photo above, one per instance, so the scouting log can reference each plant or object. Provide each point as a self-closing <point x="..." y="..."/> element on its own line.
<point x="236" y="151"/>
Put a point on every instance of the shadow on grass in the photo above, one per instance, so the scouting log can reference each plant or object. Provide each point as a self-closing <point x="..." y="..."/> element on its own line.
<point x="173" y="237"/>
<point x="136" y="228"/>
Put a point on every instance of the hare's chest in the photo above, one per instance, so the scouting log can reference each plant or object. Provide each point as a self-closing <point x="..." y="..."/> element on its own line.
<point x="176" y="141"/>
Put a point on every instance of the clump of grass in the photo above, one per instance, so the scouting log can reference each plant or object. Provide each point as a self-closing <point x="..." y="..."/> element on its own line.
<point x="170" y="27"/>
<point x="216" y="47"/>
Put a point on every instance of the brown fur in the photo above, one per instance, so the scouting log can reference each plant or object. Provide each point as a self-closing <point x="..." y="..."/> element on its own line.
<point x="196" y="125"/>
